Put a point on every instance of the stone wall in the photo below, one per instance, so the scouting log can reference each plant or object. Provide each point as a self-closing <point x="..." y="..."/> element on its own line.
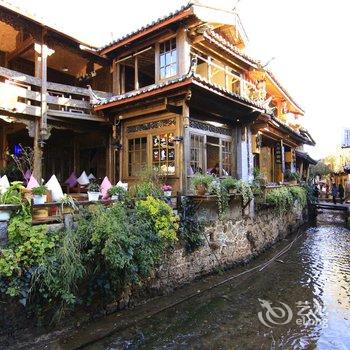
<point x="227" y="243"/>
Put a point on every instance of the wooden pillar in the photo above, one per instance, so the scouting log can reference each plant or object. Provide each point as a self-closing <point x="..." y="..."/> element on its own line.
<point x="209" y="69"/>
<point x="116" y="77"/>
<point x="76" y="154"/>
<point x="110" y="155"/>
<point x="184" y="152"/>
<point x="184" y="51"/>
<point x="40" y="128"/>
<point x="37" y="163"/>
<point x="136" y="73"/>
<point x="3" y="146"/>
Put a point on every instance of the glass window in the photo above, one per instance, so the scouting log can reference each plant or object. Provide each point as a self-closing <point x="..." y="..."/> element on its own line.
<point x="216" y="164"/>
<point x="137" y="157"/>
<point x="163" y="153"/>
<point x="197" y="151"/>
<point x="168" y="58"/>
<point x="226" y="158"/>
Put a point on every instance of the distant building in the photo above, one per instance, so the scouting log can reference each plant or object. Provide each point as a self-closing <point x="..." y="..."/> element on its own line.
<point x="346" y="140"/>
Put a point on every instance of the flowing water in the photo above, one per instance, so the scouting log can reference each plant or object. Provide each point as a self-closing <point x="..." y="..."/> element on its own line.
<point x="299" y="301"/>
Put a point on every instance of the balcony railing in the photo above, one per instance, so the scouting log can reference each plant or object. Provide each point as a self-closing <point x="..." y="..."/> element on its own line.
<point x="21" y="93"/>
<point x="225" y="77"/>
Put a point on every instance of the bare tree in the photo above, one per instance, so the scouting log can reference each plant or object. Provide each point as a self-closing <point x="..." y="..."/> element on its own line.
<point x="24" y="160"/>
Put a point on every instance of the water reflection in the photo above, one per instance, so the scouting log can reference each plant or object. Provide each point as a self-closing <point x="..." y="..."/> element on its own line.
<point x="316" y="270"/>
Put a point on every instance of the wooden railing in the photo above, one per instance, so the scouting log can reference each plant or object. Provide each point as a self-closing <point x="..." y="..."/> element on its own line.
<point x="21" y="93"/>
<point x="231" y="81"/>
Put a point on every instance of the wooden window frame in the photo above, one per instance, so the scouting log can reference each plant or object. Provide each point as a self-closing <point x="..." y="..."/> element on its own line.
<point x="221" y="137"/>
<point x="158" y="54"/>
<point x="149" y="135"/>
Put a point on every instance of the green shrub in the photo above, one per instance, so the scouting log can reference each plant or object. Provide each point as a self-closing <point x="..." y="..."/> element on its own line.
<point x="244" y="189"/>
<point x="162" y="216"/>
<point x="299" y="194"/>
<point x="281" y="198"/>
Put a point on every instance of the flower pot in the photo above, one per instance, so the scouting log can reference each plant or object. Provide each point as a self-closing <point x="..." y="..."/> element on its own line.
<point x="39" y="199"/>
<point x="40" y="214"/>
<point x="5" y="215"/>
<point x="167" y="193"/>
<point x="93" y="196"/>
<point x="201" y="190"/>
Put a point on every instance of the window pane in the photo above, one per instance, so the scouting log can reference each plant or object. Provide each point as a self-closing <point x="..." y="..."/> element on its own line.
<point x="162" y="60"/>
<point x="173" y="70"/>
<point x="162" y="73"/>
<point x="168" y="59"/>
<point x="137" y="155"/>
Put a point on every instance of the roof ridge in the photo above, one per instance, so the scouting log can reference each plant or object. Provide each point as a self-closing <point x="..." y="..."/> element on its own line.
<point x="159" y="19"/>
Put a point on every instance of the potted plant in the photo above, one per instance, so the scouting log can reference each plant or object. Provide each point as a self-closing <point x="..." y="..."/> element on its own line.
<point x="292" y="177"/>
<point x="116" y="193"/>
<point x="68" y="205"/>
<point x="39" y="194"/>
<point x="12" y="196"/>
<point x="201" y="183"/>
<point x="167" y="189"/>
<point x="93" y="191"/>
<point x="230" y="184"/>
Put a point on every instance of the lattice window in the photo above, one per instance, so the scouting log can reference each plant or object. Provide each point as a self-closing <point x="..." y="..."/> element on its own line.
<point x="137" y="157"/>
<point x="168" y="58"/>
<point x="226" y="158"/>
<point x="197" y="154"/>
<point x="163" y="153"/>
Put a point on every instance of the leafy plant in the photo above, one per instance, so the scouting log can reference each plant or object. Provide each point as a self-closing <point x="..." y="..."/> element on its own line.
<point x="93" y="187"/>
<point x="245" y="190"/>
<point x="291" y="176"/>
<point x="68" y="201"/>
<point x="202" y="179"/>
<point x="281" y="198"/>
<point x="299" y="194"/>
<point x="12" y="194"/>
<point x="162" y="216"/>
<point x="229" y="183"/>
<point x="116" y="191"/>
<point x="146" y="188"/>
<point x="39" y="190"/>
<point x="191" y="229"/>
<point x="221" y="192"/>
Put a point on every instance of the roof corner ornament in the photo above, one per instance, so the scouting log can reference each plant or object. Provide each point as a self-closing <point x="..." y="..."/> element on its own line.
<point x="94" y="99"/>
<point x="194" y="62"/>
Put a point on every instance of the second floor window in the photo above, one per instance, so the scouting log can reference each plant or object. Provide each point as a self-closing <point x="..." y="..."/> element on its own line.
<point x="167" y="58"/>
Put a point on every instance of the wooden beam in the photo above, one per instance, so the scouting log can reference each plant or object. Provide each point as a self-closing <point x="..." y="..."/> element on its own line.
<point x="21" y="49"/>
<point x="136" y="73"/>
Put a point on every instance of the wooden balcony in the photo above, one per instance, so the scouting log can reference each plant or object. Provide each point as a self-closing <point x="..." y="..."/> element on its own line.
<point x="21" y="94"/>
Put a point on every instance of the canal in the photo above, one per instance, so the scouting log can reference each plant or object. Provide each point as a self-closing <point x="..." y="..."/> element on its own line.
<point x="299" y="300"/>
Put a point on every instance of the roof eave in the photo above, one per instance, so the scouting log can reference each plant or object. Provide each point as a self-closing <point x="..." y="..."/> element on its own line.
<point x="186" y="12"/>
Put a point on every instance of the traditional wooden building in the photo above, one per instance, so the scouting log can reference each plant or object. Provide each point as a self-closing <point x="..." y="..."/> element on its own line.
<point x="188" y="99"/>
<point x="44" y="102"/>
<point x="179" y="95"/>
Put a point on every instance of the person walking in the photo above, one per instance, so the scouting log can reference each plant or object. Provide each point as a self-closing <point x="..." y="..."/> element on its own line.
<point x="316" y="192"/>
<point x="341" y="192"/>
<point x="334" y="192"/>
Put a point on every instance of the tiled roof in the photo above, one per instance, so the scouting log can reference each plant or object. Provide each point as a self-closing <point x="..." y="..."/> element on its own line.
<point x="219" y="40"/>
<point x="211" y="35"/>
<point x="306" y="156"/>
<point x="149" y="25"/>
<point x="195" y="79"/>
<point x="143" y="90"/>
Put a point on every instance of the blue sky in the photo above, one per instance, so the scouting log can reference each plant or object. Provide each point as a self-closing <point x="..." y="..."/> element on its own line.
<point x="309" y="40"/>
